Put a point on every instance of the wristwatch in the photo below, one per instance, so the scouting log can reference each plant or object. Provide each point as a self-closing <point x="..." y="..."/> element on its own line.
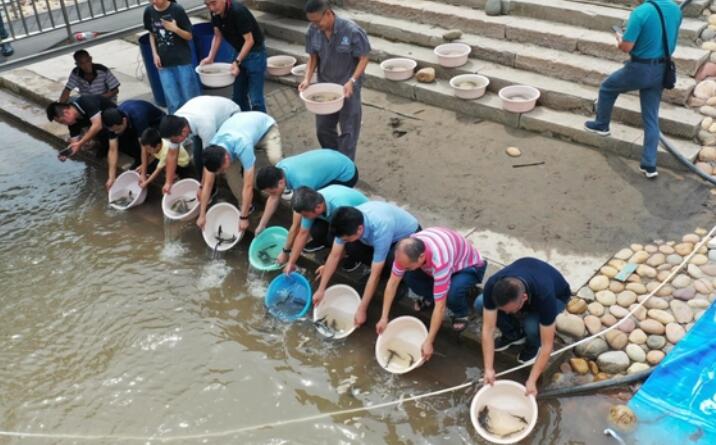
<point x="353" y="80"/>
<point x="237" y="62"/>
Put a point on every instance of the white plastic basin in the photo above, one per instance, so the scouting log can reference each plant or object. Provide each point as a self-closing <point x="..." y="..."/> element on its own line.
<point x="215" y="75"/>
<point x="339" y="303"/>
<point x="280" y="65"/>
<point x="398" y="69"/>
<point x="469" y="86"/>
<point x="185" y="189"/>
<point x="451" y="55"/>
<point x="509" y="396"/>
<point x="519" y="98"/>
<point x="127" y="182"/>
<point x="404" y="335"/>
<point x="227" y="216"/>
<point x="323" y="98"/>
<point x="299" y="72"/>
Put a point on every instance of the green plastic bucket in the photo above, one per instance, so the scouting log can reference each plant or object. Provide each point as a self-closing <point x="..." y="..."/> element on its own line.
<point x="266" y="247"/>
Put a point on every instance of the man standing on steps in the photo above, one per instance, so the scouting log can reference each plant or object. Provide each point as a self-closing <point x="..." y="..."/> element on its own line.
<point x="523" y="300"/>
<point x="234" y="22"/>
<point x="339" y="49"/>
<point x="643" y="40"/>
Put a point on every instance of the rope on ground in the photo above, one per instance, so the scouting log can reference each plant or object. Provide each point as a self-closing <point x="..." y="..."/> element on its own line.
<point x="361" y="409"/>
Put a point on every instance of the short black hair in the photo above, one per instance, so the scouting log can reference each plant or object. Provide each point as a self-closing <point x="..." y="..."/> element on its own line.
<point x="345" y="222"/>
<point x="506" y="290"/>
<point x="305" y="199"/>
<point x="80" y="53"/>
<point x="171" y="126"/>
<point x="412" y="248"/>
<point x="55" y="109"/>
<point x="112" y="117"/>
<point x="268" y="177"/>
<point x="213" y="156"/>
<point x="151" y="137"/>
<point x="316" y="6"/>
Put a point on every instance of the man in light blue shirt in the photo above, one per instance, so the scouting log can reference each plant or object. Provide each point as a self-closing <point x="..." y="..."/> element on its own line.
<point x="312" y="210"/>
<point x="314" y="169"/>
<point x="232" y="152"/>
<point x="643" y="40"/>
<point x="368" y="233"/>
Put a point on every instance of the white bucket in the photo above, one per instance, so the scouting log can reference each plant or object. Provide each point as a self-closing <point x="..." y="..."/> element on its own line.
<point x="339" y="303"/>
<point x="227" y="216"/>
<point x="519" y="98"/>
<point x="406" y="335"/>
<point x="280" y="65"/>
<point x="472" y="92"/>
<point x="398" y="69"/>
<point x="215" y="75"/>
<point x="509" y="396"/>
<point x="327" y="107"/>
<point x="299" y="72"/>
<point x="185" y="189"/>
<point x="127" y="182"/>
<point x="451" y="55"/>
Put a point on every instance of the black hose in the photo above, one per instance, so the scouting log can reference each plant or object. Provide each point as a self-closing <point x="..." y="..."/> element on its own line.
<point x="677" y="154"/>
<point x="591" y="387"/>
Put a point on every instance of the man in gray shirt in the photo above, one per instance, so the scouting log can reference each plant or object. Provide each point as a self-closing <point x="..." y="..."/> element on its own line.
<point x="339" y="49"/>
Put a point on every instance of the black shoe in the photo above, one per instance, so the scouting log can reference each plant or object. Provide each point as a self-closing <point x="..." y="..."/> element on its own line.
<point x="350" y="265"/>
<point x="649" y="172"/>
<point x="7" y="50"/>
<point x="592" y="127"/>
<point x="313" y="246"/>
<point x="527" y="354"/>
<point x="503" y="342"/>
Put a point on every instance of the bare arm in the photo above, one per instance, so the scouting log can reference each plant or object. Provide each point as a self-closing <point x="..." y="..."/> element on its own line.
<point x="111" y="93"/>
<point x="215" y="45"/>
<point x="65" y="96"/>
<point x="247" y="196"/>
<point x="271" y="206"/>
<point x="328" y="269"/>
<point x="93" y="131"/>
<point x="310" y="68"/>
<point x="489" y="322"/>
<point x="372" y="284"/>
<point x="171" y="168"/>
<point x="624" y="45"/>
<point x="546" y="334"/>
<point x="208" y="184"/>
<point x="112" y="156"/>
<point x="388" y="296"/>
<point x="246" y="47"/>
<point x="360" y="68"/>
<point x="155" y="54"/>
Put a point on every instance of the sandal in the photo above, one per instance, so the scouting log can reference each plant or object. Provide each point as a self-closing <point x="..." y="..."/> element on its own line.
<point x="423" y="304"/>
<point x="459" y="324"/>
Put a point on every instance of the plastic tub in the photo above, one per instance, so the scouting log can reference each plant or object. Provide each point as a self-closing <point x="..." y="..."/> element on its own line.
<point x="398" y="69"/>
<point x="280" y="65"/>
<point x="330" y="94"/>
<point x="185" y="189"/>
<point x="339" y="303"/>
<point x="288" y="297"/>
<point x="509" y="396"/>
<point x="215" y="75"/>
<point x="266" y="247"/>
<point x="126" y="183"/>
<point x="519" y="98"/>
<point x="469" y="86"/>
<point x="203" y="35"/>
<point x="404" y="335"/>
<point x="299" y="72"/>
<point x="451" y="55"/>
<point x="226" y="217"/>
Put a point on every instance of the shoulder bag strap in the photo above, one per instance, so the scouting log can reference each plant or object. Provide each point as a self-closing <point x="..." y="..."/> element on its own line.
<point x="665" y="41"/>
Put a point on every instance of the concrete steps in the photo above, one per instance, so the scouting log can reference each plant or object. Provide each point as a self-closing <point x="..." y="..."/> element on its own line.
<point x="625" y="140"/>
<point x="511" y="68"/>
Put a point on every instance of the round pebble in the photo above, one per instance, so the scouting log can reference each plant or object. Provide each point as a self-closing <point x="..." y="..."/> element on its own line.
<point x="599" y="283"/>
<point x="645" y="271"/>
<point x="684" y="249"/>
<point x="639" y="257"/>
<point x="637" y="336"/>
<point x="595" y="309"/>
<point x="637" y="288"/>
<point x="593" y="324"/>
<point x="616" y="339"/>
<point x="637" y="367"/>
<point x="655" y="342"/>
<point x="656" y="303"/>
<point x="682" y="312"/>
<point x="608" y="319"/>
<point x="674" y="259"/>
<point x="661" y="316"/>
<point x="651" y="326"/>
<point x="513" y="151"/>
<point x="624" y="254"/>
<point x="654" y="357"/>
<point x="618" y="311"/>
<point x="681" y="281"/>
<point x="674" y="332"/>
<point x="666" y="249"/>
<point x="616" y="286"/>
<point x="626" y="298"/>
<point x="691" y="238"/>
<point x="635" y="353"/>
<point x="699" y="259"/>
<point x="651" y="249"/>
<point x="606" y="297"/>
<point x="626" y="325"/>
<point x="694" y="271"/>
<point x="656" y="259"/>
<point x="576" y="306"/>
<point x="609" y="271"/>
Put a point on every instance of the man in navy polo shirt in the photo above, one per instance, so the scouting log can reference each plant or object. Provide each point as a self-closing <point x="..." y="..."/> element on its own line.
<point x="234" y="22"/>
<point x="523" y="300"/>
<point x="125" y="125"/>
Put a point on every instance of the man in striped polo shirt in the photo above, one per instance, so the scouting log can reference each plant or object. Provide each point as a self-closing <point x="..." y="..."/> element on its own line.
<point x="90" y="78"/>
<point x="441" y="266"/>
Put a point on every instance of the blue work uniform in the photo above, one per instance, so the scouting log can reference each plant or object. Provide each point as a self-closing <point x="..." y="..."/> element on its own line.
<point x="240" y="133"/>
<point x="317" y="169"/>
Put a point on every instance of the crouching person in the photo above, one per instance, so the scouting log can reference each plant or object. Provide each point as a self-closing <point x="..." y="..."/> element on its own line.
<point x="442" y="267"/>
<point x="154" y="158"/>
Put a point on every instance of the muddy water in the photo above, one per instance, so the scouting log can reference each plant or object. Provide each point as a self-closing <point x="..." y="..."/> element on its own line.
<point x="119" y="328"/>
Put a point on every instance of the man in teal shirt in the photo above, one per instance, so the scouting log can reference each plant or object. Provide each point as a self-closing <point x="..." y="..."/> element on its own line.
<point x="313" y="168"/>
<point x="312" y="211"/>
<point x="644" y="72"/>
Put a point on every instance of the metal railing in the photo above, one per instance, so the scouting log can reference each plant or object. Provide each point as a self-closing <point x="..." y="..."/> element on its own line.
<point x="25" y="18"/>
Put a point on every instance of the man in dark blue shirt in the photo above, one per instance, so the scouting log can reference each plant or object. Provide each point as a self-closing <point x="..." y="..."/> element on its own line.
<point x="523" y="300"/>
<point x="125" y="125"/>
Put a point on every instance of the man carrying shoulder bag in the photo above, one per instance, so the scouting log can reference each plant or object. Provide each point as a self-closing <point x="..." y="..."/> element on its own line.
<point x="650" y="39"/>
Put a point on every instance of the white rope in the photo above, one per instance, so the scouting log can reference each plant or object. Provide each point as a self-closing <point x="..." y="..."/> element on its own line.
<point x="362" y="408"/>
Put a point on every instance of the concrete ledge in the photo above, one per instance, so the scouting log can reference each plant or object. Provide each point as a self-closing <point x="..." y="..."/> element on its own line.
<point x="624" y="141"/>
<point x="558" y="94"/>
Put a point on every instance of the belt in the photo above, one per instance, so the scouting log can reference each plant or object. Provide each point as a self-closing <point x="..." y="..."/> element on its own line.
<point x="648" y="61"/>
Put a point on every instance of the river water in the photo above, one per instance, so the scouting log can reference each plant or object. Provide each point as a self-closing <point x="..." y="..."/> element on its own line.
<point x="118" y="328"/>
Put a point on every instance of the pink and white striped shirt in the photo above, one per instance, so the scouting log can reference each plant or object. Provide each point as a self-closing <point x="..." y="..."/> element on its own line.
<point x="446" y="252"/>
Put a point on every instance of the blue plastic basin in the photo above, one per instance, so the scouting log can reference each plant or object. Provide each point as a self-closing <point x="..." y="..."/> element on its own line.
<point x="288" y="297"/>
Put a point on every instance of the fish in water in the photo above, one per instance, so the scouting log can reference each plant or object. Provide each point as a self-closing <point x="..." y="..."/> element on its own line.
<point x="326" y="326"/>
<point x="392" y="354"/>
<point x="264" y="256"/>
<point x="499" y="422"/>
<point x="222" y="240"/>
<point x="324" y="97"/>
<point x="412" y="360"/>
<point x="181" y="205"/>
<point x="287" y="306"/>
<point x="123" y="201"/>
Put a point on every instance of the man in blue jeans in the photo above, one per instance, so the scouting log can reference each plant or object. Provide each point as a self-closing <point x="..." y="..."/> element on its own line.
<point x="523" y="300"/>
<point x="234" y="22"/>
<point x="644" y="71"/>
